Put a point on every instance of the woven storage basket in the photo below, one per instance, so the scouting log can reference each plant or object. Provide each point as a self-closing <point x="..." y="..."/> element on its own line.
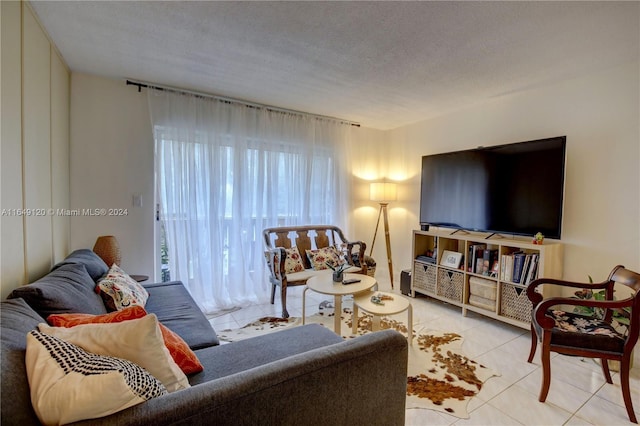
<point x="450" y="284"/>
<point x="514" y="303"/>
<point x="424" y="277"/>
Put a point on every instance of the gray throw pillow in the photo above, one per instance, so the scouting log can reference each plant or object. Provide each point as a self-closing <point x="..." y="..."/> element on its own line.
<point x="67" y="289"/>
<point x="92" y="262"/>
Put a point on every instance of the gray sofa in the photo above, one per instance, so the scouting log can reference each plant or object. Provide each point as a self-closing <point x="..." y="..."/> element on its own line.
<point x="304" y="375"/>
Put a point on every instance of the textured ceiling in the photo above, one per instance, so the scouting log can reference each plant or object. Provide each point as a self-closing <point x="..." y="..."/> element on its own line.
<point x="382" y="64"/>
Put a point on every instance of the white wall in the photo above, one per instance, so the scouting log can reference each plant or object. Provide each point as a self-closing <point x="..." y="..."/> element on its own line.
<point x="600" y="116"/>
<point x="111" y="161"/>
<point x="34" y="150"/>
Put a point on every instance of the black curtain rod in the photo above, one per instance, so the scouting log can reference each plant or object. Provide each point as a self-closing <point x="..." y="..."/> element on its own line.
<point x="146" y="86"/>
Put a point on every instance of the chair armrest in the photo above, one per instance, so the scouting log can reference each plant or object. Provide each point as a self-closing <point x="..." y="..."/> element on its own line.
<point x="535" y="297"/>
<point x="362" y="246"/>
<point x="275" y="261"/>
<point x="548" y="323"/>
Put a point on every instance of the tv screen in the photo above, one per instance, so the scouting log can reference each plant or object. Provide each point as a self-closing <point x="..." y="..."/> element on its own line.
<point x="514" y="189"/>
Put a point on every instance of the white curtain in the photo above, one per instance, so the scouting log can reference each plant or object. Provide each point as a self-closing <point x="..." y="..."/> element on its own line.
<point x="224" y="172"/>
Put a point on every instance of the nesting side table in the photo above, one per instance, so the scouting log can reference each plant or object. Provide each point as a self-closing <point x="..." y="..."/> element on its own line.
<point x="390" y="307"/>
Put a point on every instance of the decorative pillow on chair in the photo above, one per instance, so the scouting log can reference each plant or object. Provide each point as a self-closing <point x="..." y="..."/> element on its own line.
<point x="320" y="257"/>
<point x="178" y="348"/>
<point x="119" y="290"/>
<point x="139" y="341"/>
<point x="69" y="384"/>
<point x="293" y="262"/>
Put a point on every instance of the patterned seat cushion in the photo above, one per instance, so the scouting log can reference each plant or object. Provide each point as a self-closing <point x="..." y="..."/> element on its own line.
<point x="580" y="331"/>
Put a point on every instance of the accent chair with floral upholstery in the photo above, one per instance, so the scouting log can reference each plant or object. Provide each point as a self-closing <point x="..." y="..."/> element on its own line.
<point x="571" y="333"/>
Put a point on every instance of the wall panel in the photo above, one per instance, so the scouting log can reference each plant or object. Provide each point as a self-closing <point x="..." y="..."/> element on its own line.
<point x="34" y="154"/>
<point x="59" y="156"/>
<point x="12" y="268"/>
<point x="36" y="139"/>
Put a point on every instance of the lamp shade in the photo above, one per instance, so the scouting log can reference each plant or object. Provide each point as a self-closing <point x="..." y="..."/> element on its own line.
<point x="383" y="191"/>
<point x="108" y="249"/>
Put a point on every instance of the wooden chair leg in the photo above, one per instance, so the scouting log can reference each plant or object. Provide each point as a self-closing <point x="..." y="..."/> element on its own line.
<point x="283" y="298"/>
<point x="273" y="293"/>
<point x="605" y="369"/>
<point x="545" y="357"/>
<point x="626" y="391"/>
<point x="534" y="344"/>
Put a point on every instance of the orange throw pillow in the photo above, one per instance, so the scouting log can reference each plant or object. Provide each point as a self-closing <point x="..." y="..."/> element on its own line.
<point x="178" y="348"/>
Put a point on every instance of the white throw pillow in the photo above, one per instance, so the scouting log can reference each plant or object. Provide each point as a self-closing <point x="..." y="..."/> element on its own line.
<point x="68" y="384"/>
<point x="120" y="291"/>
<point x="139" y="341"/>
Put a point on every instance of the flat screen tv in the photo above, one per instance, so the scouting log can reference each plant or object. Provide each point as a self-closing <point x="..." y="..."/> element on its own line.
<point x="515" y="189"/>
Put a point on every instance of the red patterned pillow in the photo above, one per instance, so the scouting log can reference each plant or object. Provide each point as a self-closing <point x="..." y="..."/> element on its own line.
<point x="178" y="348"/>
<point x="319" y="258"/>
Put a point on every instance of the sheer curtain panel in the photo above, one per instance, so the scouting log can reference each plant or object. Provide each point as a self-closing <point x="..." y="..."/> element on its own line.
<point x="224" y="172"/>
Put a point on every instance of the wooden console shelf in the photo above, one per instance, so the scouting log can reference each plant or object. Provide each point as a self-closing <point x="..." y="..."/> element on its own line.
<point x="485" y="287"/>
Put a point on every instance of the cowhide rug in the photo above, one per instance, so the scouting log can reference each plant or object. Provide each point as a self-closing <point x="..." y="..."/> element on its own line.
<point x="440" y="376"/>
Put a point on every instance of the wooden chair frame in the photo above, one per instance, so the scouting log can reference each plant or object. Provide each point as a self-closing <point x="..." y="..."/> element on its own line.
<point x="546" y="324"/>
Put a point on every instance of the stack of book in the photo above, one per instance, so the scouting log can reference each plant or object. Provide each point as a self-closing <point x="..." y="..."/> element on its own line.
<point x="482" y="261"/>
<point x="519" y="267"/>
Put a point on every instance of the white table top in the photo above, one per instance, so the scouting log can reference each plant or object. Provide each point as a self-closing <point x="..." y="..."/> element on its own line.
<point x="390" y="307"/>
<point x="324" y="284"/>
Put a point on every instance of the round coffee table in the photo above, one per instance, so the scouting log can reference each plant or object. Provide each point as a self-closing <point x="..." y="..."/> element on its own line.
<point x="324" y="284"/>
<point x="395" y="306"/>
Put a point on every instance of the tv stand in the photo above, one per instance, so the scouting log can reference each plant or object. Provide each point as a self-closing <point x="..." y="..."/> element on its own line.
<point x="491" y="291"/>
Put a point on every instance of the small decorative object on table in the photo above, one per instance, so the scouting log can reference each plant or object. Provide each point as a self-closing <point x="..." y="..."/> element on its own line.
<point x="379" y="298"/>
<point x="538" y="238"/>
<point x="338" y="270"/>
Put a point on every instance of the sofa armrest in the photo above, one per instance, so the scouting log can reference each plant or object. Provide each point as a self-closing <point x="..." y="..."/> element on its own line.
<point x="359" y="381"/>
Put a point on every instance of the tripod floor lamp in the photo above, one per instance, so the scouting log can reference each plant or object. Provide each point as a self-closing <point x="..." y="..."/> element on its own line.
<point x="383" y="193"/>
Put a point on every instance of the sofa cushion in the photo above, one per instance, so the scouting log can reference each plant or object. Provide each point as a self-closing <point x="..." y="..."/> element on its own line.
<point x="139" y="341"/>
<point x="225" y="360"/>
<point x="17" y="319"/>
<point x="176" y="309"/>
<point x="119" y="290"/>
<point x="92" y="262"/>
<point x="178" y="348"/>
<point x="69" y="384"/>
<point x="69" y="288"/>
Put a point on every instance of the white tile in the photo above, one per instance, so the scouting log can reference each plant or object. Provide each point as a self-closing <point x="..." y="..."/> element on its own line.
<point x="249" y="314"/>
<point x="613" y="392"/>
<point x="599" y="411"/>
<point x="525" y="408"/>
<point x="505" y="364"/>
<point x="487" y="415"/>
<point x="420" y="417"/>
<point x="577" y="421"/>
<point x="561" y="394"/>
<point x="494" y="386"/>
<point x="583" y="374"/>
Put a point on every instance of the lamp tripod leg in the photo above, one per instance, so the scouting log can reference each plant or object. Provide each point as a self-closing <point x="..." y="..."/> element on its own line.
<point x="388" y="241"/>
<point x="376" y="231"/>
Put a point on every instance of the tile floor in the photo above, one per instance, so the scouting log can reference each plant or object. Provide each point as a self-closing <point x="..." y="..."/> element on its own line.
<point x="578" y="395"/>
